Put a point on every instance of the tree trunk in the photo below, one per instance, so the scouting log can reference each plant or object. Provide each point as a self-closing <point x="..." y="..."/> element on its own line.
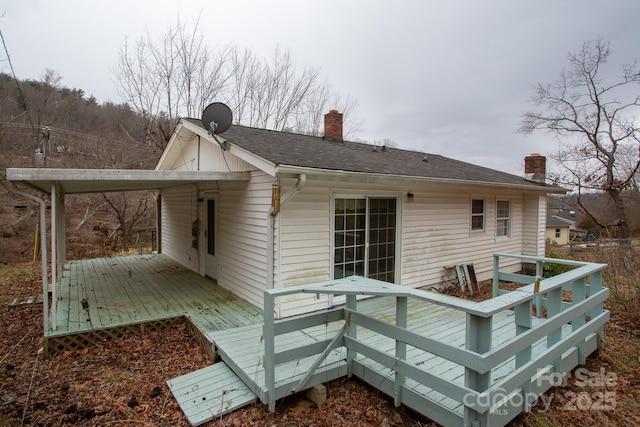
<point x="621" y="217"/>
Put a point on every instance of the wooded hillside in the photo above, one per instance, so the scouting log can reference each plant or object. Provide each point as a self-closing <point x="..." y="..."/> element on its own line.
<point x="72" y="131"/>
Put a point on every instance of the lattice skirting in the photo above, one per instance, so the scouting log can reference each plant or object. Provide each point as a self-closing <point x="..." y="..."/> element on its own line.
<point x="84" y="339"/>
<point x="203" y="341"/>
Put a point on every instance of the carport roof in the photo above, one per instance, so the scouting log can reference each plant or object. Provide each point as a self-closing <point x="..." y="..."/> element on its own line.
<point x="75" y="181"/>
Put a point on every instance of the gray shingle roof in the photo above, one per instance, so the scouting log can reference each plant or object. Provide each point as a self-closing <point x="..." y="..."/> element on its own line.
<point x="290" y="149"/>
<point x="554" y="221"/>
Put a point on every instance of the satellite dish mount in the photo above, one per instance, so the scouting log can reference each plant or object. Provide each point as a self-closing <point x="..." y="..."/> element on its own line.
<point x="217" y="119"/>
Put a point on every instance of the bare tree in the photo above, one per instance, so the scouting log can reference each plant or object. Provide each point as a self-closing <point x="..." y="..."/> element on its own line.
<point x="165" y="79"/>
<point x="128" y="209"/>
<point x="310" y="117"/>
<point x="178" y="75"/>
<point x="598" y="120"/>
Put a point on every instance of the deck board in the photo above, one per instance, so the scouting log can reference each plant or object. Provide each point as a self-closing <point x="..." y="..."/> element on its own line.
<point x="210" y="392"/>
<point x="136" y="289"/>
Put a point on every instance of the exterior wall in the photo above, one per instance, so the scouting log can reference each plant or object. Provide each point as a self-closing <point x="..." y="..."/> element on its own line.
<point x="242" y="236"/>
<point x="434" y="232"/>
<point x="179" y="210"/>
<point x="534" y="225"/>
<point x="437" y="233"/>
<point x="564" y="235"/>
<point x="204" y="155"/>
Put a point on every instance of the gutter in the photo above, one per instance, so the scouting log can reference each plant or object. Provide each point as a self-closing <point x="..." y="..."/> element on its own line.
<point x="274" y="209"/>
<point x="368" y="177"/>
<point x="43" y="251"/>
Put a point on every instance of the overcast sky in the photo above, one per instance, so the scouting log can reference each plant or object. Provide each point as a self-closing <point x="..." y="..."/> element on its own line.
<point x="447" y="77"/>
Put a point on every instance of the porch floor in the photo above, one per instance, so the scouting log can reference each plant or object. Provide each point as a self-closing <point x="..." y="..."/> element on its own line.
<point x="111" y="294"/>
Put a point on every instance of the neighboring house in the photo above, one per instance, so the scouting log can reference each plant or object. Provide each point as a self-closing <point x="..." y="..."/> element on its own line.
<point x="562" y="229"/>
<point x="316" y="209"/>
<point x="557" y="231"/>
<point x="256" y="209"/>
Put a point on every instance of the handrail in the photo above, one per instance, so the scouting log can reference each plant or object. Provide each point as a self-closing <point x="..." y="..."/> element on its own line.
<point x="478" y="357"/>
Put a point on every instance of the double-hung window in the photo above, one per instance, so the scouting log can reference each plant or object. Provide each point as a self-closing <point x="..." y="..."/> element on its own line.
<point x="477" y="214"/>
<point x="503" y="217"/>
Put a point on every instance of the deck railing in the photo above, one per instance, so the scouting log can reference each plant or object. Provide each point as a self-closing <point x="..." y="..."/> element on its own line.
<point x="572" y="328"/>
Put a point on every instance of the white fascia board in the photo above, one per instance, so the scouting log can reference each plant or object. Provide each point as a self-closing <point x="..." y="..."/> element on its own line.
<point x="105" y="180"/>
<point x="169" y="148"/>
<point x="348" y="176"/>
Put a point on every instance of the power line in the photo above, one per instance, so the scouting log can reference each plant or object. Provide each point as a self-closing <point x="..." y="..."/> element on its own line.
<point x="24" y="101"/>
<point x="77" y="134"/>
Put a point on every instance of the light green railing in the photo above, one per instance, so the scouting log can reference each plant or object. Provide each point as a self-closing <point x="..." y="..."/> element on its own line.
<point x="485" y="401"/>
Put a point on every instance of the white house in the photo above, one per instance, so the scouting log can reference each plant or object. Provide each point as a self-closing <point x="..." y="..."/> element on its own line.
<point x="319" y="208"/>
<point x="255" y="209"/>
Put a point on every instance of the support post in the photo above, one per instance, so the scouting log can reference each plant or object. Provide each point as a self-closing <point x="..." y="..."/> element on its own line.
<point x="496" y="272"/>
<point x="352" y="332"/>
<point x="523" y="319"/>
<point x="595" y="286"/>
<point x="401" y="347"/>
<point x="268" y="331"/>
<point x="54" y="251"/>
<point x="538" y="298"/>
<point x="554" y="307"/>
<point x="478" y="340"/>
<point x="577" y="297"/>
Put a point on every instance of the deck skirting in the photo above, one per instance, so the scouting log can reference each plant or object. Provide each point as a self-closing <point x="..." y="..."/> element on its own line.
<point x="79" y="340"/>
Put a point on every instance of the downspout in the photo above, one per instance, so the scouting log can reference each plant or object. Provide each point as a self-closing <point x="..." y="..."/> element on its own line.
<point x="43" y="251"/>
<point x="54" y="251"/>
<point x="274" y="209"/>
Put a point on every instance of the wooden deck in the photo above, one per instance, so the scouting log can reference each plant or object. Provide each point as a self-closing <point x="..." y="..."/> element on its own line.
<point x="105" y="298"/>
<point x="454" y="361"/>
<point x="242" y="349"/>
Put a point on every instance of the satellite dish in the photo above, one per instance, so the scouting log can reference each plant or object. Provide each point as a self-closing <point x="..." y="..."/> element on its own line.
<point x="217" y="118"/>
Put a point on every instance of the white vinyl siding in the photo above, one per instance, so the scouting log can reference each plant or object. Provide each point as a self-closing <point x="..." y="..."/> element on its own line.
<point x="305" y="242"/>
<point x="242" y="236"/>
<point x="435" y="234"/>
<point x="179" y="210"/>
<point x="534" y="225"/>
<point x="203" y="155"/>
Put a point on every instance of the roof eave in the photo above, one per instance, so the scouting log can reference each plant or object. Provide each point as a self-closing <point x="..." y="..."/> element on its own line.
<point x="349" y="176"/>
<point x="75" y="181"/>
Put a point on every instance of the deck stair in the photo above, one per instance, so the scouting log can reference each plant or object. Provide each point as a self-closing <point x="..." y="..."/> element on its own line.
<point x="211" y="392"/>
<point x="238" y="377"/>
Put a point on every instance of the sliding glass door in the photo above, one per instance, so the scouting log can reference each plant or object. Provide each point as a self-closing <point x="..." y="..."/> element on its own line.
<point x="365" y="237"/>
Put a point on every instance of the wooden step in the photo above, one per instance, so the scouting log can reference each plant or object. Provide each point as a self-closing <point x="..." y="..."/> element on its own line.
<point x="210" y="392"/>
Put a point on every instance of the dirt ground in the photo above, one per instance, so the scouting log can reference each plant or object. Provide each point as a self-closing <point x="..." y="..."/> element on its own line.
<point x="123" y="382"/>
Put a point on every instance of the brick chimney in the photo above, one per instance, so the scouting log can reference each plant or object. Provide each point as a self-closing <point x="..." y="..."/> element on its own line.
<point x="333" y="125"/>
<point x="535" y="168"/>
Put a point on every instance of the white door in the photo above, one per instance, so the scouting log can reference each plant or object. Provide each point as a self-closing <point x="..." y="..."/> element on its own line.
<point x="211" y="263"/>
